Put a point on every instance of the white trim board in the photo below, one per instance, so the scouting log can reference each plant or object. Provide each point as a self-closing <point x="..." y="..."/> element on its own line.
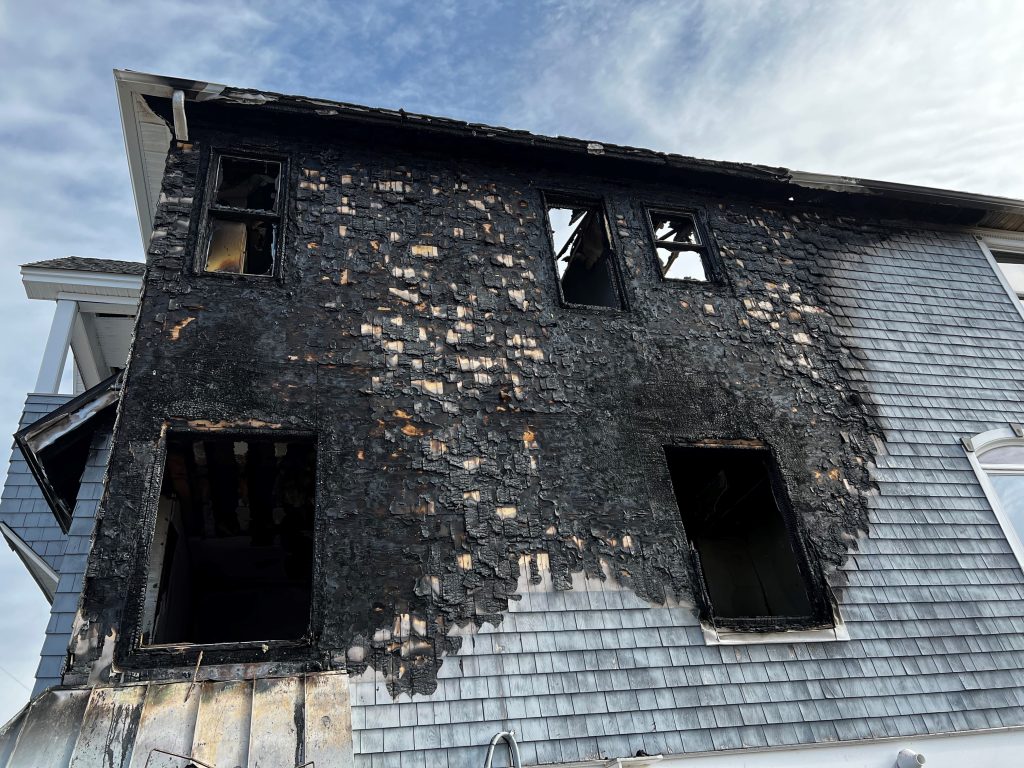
<point x="993" y="438"/>
<point x="38" y="569"/>
<point x="996" y="747"/>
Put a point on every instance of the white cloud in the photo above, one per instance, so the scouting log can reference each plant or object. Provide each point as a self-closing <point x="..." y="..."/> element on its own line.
<point x="917" y="92"/>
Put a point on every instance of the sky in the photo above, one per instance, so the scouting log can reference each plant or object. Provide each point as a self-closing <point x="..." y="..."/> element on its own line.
<point x="914" y="91"/>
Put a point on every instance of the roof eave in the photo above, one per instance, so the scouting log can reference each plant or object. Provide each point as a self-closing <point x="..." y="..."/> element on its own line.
<point x="130" y="83"/>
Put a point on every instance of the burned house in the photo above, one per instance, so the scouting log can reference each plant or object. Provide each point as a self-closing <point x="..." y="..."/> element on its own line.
<point x="432" y="434"/>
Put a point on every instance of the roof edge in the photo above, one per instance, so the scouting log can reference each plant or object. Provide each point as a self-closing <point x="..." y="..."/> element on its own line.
<point x="129" y="83"/>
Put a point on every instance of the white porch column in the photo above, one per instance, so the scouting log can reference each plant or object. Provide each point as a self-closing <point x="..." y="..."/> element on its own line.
<point x="57" y="343"/>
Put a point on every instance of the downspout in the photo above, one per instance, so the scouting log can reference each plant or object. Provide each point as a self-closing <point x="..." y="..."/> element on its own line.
<point x="180" y="124"/>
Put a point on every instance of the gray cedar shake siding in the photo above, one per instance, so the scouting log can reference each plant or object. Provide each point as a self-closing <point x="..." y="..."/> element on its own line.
<point x="71" y="571"/>
<point x="22" y="505"/>
<point x="933" y="598"/>
<point x="25" y="510"/>
<point x="497" y="543"/>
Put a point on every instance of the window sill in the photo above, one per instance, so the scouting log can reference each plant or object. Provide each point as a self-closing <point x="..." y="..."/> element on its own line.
<point x="716" y="636"/>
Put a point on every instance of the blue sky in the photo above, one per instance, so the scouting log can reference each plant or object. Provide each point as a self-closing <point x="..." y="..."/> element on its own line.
<point x="922" y="92"/>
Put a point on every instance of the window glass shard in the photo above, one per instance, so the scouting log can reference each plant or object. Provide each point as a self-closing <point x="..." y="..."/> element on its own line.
<point x="681" y="252"/>
<point x="675" y="228"/>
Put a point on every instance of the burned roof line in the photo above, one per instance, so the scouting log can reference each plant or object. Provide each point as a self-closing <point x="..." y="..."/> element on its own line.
<point x="198" y="91"/>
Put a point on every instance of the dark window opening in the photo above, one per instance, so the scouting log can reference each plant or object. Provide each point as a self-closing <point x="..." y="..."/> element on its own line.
<point x="232" y="556"/>
<point x="734" y="514"/>
<point x="584" y="259"/>
<point x="681" y="250"/>
<point x="244" y="217"/>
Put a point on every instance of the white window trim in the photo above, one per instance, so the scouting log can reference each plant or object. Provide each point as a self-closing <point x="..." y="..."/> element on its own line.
<point x="1011" y="434"/>
<point x="719" y="636"/>
<point x="1008" y="242"/>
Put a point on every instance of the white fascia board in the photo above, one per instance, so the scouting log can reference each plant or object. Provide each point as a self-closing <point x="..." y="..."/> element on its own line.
<point x="131" y="128"/>
<point x="41" y="573"/>
<point x="129" y="85"/>
<point x="42" y="283"/>
<point x="1001" y="239"/>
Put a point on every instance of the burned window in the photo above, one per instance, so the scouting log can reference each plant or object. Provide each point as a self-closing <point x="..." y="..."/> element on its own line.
<point x="681" y="249"/>
<point x="232" y="555"/>
<point x="584" y="259"/>
<point x="748" y="559"/>
<point x="244" y="216"/>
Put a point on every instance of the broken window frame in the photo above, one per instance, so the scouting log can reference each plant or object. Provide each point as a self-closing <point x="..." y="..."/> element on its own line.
<point x="571" y="199"/>
<point x="214" y="211"/>
<point x="823" y="614"/>
<point x="135" y="651"/>
<point x="713" y="272"/>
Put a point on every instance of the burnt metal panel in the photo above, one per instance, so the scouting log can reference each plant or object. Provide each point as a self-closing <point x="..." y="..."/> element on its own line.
<point x="167" y="724"/>
<point x="47" y="738"/>
<point x="259" y="723"/>
<point x="109" y="727"/>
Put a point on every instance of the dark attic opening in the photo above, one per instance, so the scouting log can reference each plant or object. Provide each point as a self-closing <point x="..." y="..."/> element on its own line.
<point x="748" y="559"/>
<point x="232" y="556"/>
<point x="584" y="259"/>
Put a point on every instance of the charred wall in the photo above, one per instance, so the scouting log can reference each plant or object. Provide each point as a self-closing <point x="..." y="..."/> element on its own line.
<point x="463" y="417"/>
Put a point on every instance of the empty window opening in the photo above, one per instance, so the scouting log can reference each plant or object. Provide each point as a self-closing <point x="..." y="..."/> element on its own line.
<point x="583" y="256"/>
<point x="730" y="501"/>
<point x="244" y="217"/>
<point x="682" y="252"/>
<point x="232" y="556"/>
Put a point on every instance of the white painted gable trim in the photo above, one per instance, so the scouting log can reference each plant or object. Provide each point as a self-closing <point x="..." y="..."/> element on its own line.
<point x="42" y="573"/>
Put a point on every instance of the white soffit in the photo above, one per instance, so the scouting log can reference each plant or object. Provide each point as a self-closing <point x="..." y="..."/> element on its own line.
<point x="51" y="284"/>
